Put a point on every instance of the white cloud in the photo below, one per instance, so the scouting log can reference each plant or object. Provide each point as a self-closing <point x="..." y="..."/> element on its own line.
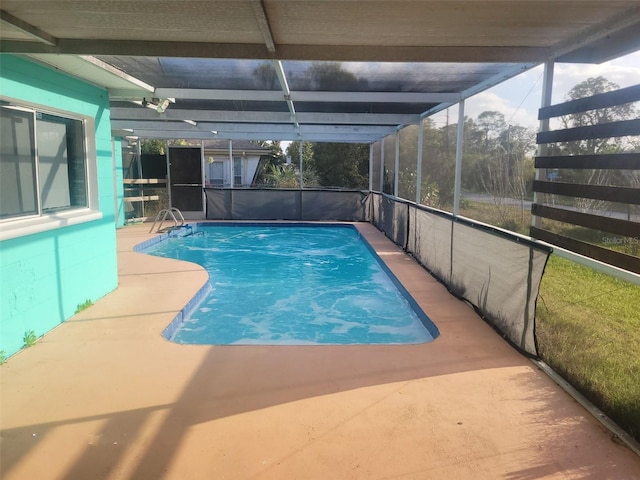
<point x="513" y="112"/>
<point x="625" y="71"/>
<point x="519" y="98"/>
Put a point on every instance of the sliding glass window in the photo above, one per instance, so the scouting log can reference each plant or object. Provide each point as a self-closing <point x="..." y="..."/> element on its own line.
<point x="42" y="162"/>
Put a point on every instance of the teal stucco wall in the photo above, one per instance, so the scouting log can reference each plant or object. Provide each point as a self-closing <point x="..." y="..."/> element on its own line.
<point x="46" y="275"/>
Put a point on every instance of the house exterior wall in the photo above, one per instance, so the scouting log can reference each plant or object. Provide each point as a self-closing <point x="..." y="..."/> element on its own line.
<point x="249" y="166"/>
<point x="44" y="276"/>
<point x="250" y="171"/>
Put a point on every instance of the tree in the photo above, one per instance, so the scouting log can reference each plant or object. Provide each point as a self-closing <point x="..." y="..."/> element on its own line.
<point x="282" y="176"/>
<point x="153" y="146"/>
<point x="342" y="164"/>
<point x="293" y="151"/>
<point x="275" y="150"/>
<point x="332" y="77"/>
<point x="491" y="123"/>
<point x="593" y="86"/>
<point x="158" y="146"/>
<point x="429" y="192"/>
<point x="183" y="142"/>
<point x="309" y="174"/>
<point x="438" y="163"/>
<point x="265" y="76"/>
<point x="475" y="156"/>
<point x="407" y="171"/>
<point x="288" y="176"/>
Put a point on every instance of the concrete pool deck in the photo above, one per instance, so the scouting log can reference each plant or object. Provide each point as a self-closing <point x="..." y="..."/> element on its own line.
<point x="104" y="396"/>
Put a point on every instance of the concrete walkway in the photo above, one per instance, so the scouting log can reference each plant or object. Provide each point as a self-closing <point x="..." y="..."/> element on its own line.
<point x="104" y="396"/>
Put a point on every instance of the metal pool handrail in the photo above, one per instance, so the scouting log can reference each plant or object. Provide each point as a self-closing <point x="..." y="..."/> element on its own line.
<point x="167" y="212"/>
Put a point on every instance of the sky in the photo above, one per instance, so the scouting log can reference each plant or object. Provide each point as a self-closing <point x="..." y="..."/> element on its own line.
<point x="519" y="98"/>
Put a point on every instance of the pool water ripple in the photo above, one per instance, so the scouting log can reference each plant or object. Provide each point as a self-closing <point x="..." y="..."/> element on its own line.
<point x="293" y="285"/>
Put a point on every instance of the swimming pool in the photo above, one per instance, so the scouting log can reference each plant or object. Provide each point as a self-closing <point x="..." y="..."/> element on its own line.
<point x="292" y="284"/>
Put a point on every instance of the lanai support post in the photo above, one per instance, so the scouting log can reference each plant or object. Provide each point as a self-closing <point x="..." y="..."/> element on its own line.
<point x="396" y="167"/>
<point x="382" y="165"/>
<point x="543" y="126"/>
<point x="459" y="148"/>
<point x="231" y="162"/>
<point x="300" y="158"/>
<point x="419" y="162"/>
<point x="370" y="166"/>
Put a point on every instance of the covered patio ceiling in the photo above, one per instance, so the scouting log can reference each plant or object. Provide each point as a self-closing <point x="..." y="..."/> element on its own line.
<point x="315" y="70"/>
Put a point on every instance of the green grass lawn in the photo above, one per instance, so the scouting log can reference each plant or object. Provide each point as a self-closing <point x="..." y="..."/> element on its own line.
<point x="505" y="216"/>
<point x="588" y="323"/>
<point x="588" y="329"/>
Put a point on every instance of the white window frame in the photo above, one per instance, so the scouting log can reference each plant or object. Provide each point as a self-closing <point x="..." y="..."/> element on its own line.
<point x="20" y="226"/>
<point x="233" y="170"/>
<point x="209" y="178"/>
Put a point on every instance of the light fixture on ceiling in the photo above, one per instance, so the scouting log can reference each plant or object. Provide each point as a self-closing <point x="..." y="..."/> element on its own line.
<point x="160" y="105"/>
<point x="191" y="122"/>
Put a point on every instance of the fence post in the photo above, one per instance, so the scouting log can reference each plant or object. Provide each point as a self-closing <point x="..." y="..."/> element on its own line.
<point x="301" y="178"/>
<point x="370" y="166"/>
<point x="396" y="165"/>
<point x="459" y="147"/>
<point x="382" y="165"/>
<point x="419" y="160"/>
<point x="543" y="126"/>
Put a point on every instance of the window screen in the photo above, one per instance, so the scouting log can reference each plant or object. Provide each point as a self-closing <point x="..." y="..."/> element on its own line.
<point x="18" y="195"/>
<point x="43" y="162"/>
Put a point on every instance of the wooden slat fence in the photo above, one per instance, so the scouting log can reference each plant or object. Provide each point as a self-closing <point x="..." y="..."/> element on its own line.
<point x="627" y="228"/>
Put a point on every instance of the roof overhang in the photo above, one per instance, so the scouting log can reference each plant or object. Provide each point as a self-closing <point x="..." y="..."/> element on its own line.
<point x="351" y="71"/>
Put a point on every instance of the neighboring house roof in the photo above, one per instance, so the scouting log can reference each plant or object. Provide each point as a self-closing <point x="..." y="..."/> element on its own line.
<point x="246" y="146"/>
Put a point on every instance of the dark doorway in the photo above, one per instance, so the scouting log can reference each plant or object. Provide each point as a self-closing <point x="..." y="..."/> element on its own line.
<point x="185" y="174"/>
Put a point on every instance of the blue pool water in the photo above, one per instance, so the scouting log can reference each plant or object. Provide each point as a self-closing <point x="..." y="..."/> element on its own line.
<point x="293" y="285"/>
